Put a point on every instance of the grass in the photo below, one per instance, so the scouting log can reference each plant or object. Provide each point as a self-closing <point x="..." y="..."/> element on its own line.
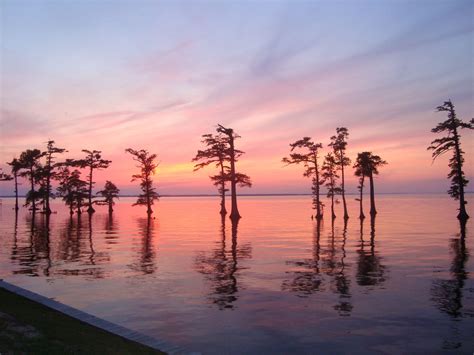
<point x="31" y="328"/>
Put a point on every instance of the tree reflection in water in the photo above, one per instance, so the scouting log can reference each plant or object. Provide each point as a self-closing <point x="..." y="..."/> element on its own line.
<point x="449" y="295"/>
<point x="33" y="255"/>
<point x="111" y="229"/>
<point x="15" y="248"/>
<point x="76" y="251"/>
<point x="146" y="263"/>
<point x="370" y="270"/>
<point x="326" y="270"/>
<point x="342" y="281"/>
<point x="307" y="279"/>
<point x="68" y="249"/>
<point x="221" y="268"/>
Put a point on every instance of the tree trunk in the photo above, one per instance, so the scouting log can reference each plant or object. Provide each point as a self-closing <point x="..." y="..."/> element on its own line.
<point x="90" y="209"/>
<point x="111" y="209"/>
<point x="361" y="214"/>
<point x="346" y="215"/>
<point x="372" y="233"/>
<point x="33" y="192"/>
<point x="149" y="211"/>
<point x="234" y="213"/>
<point x="332" y="206"/>
<point x="319" y="214"/>
<point x="462" y="216"/>
<point x="462" y="233"/>
<point x="373" y="211"/>
<point x="47" y="209"/>
<point x="223" y="210"/>
<point x="16" y="192"/>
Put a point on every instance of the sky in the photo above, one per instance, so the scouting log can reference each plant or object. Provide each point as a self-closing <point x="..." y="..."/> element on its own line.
<point x="156" y="75"/>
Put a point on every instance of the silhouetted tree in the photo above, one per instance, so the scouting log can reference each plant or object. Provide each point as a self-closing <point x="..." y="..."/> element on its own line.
<point x="330" y="176"/>
<point x="109" y="193"/>
<point x="360" y="166"/>
<point x="367" y="164"/>
<point x="147" y="166"/>
<point x="15" y="170"/>
<point x="339" y="145"/>
<point x="243" y="180"/>
<point x="216" y="152"/>
<point x="49" y="172"/>
<point x="309" y="158"/>
<point x="233" y="154"/>
<point x="5" y="176"/>
<point x="452" y="142"/>
<point x="360" y="187"/>
<point x="31" y="166"/>
<point x="93" y="161"/>
<point x="72" y="188"/>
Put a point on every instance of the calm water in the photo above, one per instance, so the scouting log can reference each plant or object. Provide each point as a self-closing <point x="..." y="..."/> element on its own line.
<point x="275" y="283"/>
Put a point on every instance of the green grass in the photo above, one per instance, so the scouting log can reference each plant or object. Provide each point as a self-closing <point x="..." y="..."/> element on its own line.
<point x="28" y="327"/>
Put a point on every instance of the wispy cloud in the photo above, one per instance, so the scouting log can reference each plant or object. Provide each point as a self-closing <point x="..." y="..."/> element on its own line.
<point x="275" y="72"/>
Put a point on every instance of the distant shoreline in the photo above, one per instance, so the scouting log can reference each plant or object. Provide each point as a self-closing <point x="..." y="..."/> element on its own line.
<point x="279" y="194"/>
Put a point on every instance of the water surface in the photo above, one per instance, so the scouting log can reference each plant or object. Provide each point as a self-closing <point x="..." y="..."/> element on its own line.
<point x="277" y="282"/>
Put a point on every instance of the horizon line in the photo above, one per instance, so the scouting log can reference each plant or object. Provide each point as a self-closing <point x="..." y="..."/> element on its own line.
<point x="274" y="194"/>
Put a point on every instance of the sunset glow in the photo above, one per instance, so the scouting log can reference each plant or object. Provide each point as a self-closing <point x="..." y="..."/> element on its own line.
<point x="158" y="75"/>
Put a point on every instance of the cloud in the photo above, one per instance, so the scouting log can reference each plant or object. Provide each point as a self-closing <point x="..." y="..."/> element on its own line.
<point x="169" y="65"/>
<point x="17" y="125"/>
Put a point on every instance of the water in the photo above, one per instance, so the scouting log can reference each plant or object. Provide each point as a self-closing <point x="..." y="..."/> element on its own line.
<point x="272" y="284"/>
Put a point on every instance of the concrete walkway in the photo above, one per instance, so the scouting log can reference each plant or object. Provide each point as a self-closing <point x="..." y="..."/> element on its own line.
<point x="95" y="321"/>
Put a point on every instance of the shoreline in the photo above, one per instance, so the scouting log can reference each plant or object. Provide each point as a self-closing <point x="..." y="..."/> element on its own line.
<point x="53" y="326"/>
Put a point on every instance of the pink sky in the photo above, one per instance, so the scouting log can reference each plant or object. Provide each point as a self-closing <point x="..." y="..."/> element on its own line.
<point x="279" y="79"/>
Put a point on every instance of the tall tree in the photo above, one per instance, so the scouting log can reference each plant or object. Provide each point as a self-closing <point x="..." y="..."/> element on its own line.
<point x="49" y="171"/>
<point x="367" y="165"/>
<point x="72" y="188"/>
<point x="308" y="156"/>
<point x="233" y="176"/>
<point x="218" y="152"/>
<point x="360" y="187"/>
<point x="31" y="167"/>
<point x="452" y="142"/>
<point x="147" y="166"/>
<point x="360" y="171"/>
<point x="93" y="161"/>
<point x="15" y="170"/>
<point x="330" y="176"/>
<point x="339" y="145"/>
<point x="109" y="193"/>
